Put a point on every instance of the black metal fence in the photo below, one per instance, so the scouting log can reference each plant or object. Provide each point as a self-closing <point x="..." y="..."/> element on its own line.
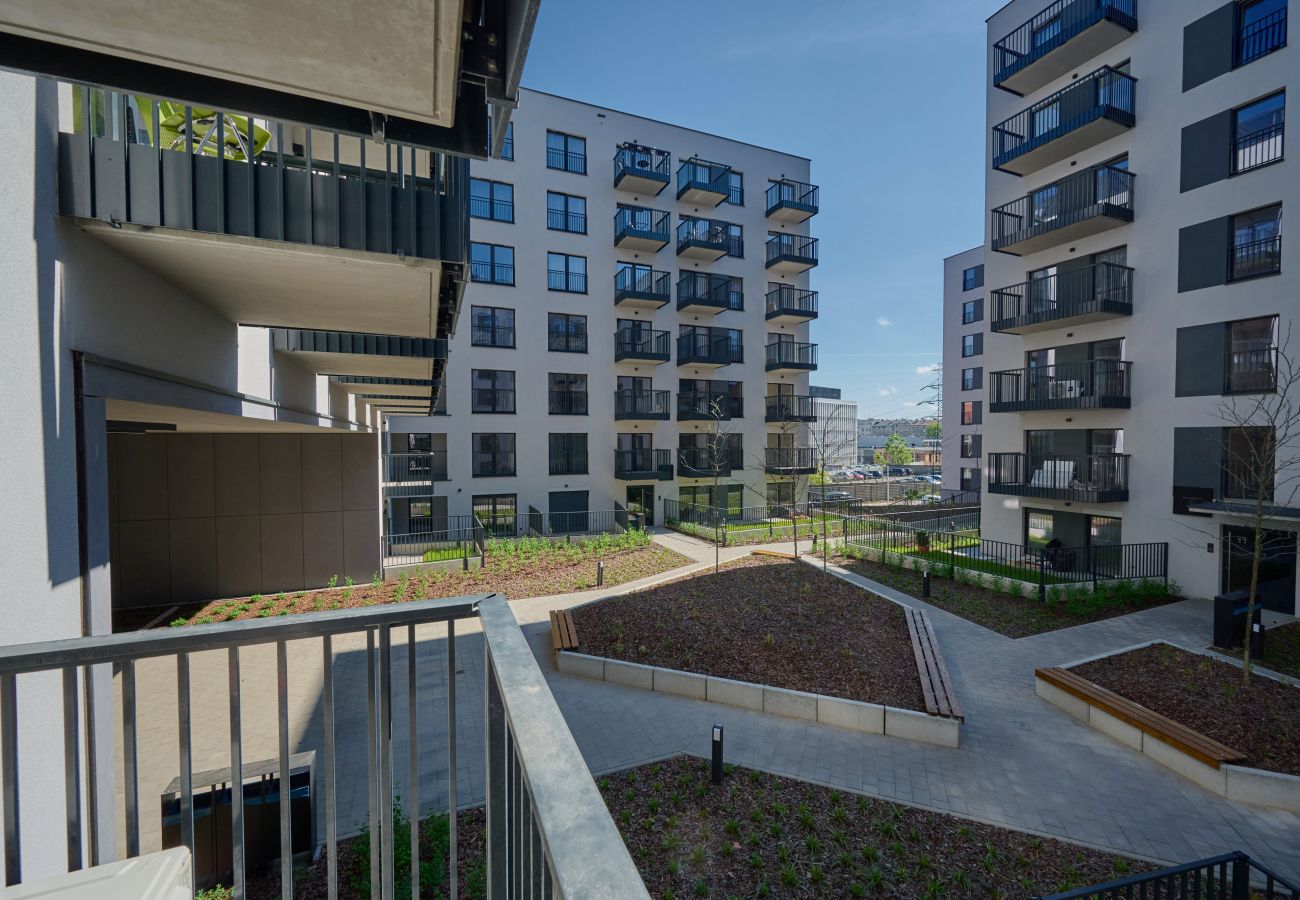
<point x="642" y="343"/>
<point x="646" y="162"/>
<point x="1095" y="477"/>
<point x="791" y="246"/>
<point x="796" y="354"/>
<point x="795" y="194"/>
<point x="710" y="289"/>
<point x="1092" y="384"/>
<point x="786" y="299"/>
<point x="1101" y="288"/>
<point x="1052" y="26"/>
<point x="1105" y="92"/>
<point x="1258" y="148"/>
<point x="644" y="283"/>
<point x="1225" y="877"/>
<point x="1099" y="190"/>
<point x="749" y="524"/>
<point x="1255" y="258"/>
<point x="1261" y="37"/>
<point x="434" y="539"/>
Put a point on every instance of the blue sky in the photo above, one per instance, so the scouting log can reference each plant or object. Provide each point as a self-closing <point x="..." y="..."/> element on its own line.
<point x="887" y="99"/>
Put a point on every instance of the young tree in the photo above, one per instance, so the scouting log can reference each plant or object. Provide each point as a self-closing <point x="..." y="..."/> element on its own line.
<point x="829" y="442"/>
<point x="717" y="444"/>
<point x="934" y="431"/>
<point x="897" y="453"/>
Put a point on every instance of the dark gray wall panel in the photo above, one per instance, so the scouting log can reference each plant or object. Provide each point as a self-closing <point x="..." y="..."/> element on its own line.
<point x="1198" y="471"/>
<point x="1198" y="369"/>
<point x="1207" y="151"/>
<point x="1203" y="254"/>
<point x="1207" y="46"/>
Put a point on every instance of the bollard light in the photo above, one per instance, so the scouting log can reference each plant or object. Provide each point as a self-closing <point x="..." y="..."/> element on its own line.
<point x="600" y="572"/>
<point x="717" y="754"/>
<point x="925" y="583"/>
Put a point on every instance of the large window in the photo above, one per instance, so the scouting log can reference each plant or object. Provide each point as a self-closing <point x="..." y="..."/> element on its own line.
<point x="1249" y="465"/>
<point x="568" y="454"/>
<point x="493" y="200"/>
<point x="566" y="152"/>
<point x="491" y="263"/>
<point x="565" y="272"/>
<point x="972" y="278"/>
<point x="492" y="390"/>
<point x="1252" y="356"/>
<point x="1257" y="243"/>
<point x="497" y="512"/>
<point x="735" y="188"/>
<point x="971" y="311"/>
<point x="566" y="333"/>
<point x="972" y="379"/>
<point x="1258" y="132"/>
<point x="972" y="344"/>
<point x="1261" y="29"/>
<point x="492" y="326"/>
<point x="567" y="394"/>
<point x="971" y="412"/>
<point x="970" y="479"/>
<point x="566" y="212"/>
<point x="493" y="454"/>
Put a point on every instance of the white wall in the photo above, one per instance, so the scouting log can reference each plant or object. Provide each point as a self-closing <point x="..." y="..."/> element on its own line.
<point x="953" y="362"/>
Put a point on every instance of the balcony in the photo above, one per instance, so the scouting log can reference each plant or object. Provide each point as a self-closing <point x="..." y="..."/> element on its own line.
<point x="787" y="305"/>
<point x="638" y="228"/>
<point x="336" y="219"/>
<point x="1058" y="40"/>
<point x="699" y="462"/>
<point x="790" y="461"/>
<point x="643" y="465"/>
<point x="791" y="201"/>
<point x="1072" y="297"/>
<point x="791" y="357"/>
<point x="707" y="293"/>
<point x="1078" y="206"/>
<point x="642" y="345"/>
<point x="705" y="406"/>
<point x="708" y="350"/>
<point x="641" y="170"/>
<point x="1091" y="110"/>
<point x="703" y="183"/>
<point x="789" y="408"/>
<point x="791" y="253"/>
<point x="1095" y="478"/>
<point x="640" y="288"/>
<point x="707" y="239"/>
<point x="413" y="474"/>
<point x="1094" y="384"/>
<point x="642" y="406"/>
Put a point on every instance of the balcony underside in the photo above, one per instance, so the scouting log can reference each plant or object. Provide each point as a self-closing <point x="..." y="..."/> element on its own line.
<point x="702" y="250"/>
<point x="1070" y="494"/>
<point x="791" y="212"/>
<point x="640" y="300"/>
<point x="636" y="356"/>
<point x="789" y="316"/>
<point x="789" y="417"/>
<point x="252" y="281"/>
<point x="791" y="264"/>
<point x="662" y="416"/>
<point x="1046" y="320"/>
<point x="1102" y="124"/>
<point x="321" y="354"/>
<point x="649" y="475"/>
<point x="702" y="363"/>
<point x="702" y="195"/>
<point x="415" y="388"/>
<point x="702" y="307"/>
<point x="640" y="182"/>
<point x="1095" y="219"/>
<point x="1046" y="404"/>
<point x="689" y="474"/>
<point x="1046" y="65"/>
<point x="790" y="368"/>
<point x="698" y="415"/>
<point x="641" y="240"/>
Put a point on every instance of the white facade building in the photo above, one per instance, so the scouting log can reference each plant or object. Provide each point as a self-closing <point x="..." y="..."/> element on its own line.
<point x="963" y="370"/>
<point x="1136" y="276"/>
<point x="634" y="281"/>
<point x="835" y="433"/>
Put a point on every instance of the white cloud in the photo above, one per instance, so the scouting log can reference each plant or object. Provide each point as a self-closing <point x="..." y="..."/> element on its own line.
<point x="888" y="391"/>
<point x="926" y="370"/>
<point x="883" y="322"/>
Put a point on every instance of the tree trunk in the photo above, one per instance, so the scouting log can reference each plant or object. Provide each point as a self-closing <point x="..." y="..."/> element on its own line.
<point x="1256" y="555"/>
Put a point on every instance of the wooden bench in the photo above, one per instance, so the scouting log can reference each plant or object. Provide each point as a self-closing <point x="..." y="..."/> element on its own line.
<point x="564" y="635"/>
<point x="936" y="683"/>
<point x="1193" y="743"/>
<point x="779" y="554"/>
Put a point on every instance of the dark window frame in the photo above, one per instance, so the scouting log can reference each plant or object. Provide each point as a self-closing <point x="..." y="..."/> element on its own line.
<point x="493" y="204"/>
<point x="495" y="327"/>
<point x="476" y="451"/>
<point x="567" y="159"/>
<point x="566" y="216"/>
<point x="1269" y="134"/>
<point x="570" y="282"/>
<point x="496" y="270"/>
<point x="972" y="278"/>
<point x="577" y="458"/>
<point x="571" y="336"/>
<point x="496" y="392"/>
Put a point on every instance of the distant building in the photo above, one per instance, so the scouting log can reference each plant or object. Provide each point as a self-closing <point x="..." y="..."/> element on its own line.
<point x="963" y="369"/>
<point x="836" y="426"/>
<point x="825" y="393"/>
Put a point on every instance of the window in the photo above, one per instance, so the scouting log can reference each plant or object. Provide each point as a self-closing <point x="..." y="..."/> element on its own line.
<point x="970" y="446"/>
<point x="493" y="200"/>
<point x="780" y="493"/>
<point x="732" y="455"/>
<point x="735" y="241"/>
<point x="491" y="263"/>
<point x="972" y="278"/>
<point x="1256" y="243"/>
<point x="568" y="454"/>
<point x="492" y="390"/>
<point x="1045" y="31"/>
<point x="566" y="273"/>
<point x="566" y="152"/>
<point x="566" y="333"/>
<point x="972" y="311"/>
<point x="970" y="412"/>
<point x="565" y="212"/>
<point x="497" y="513"/>
<point x="492" y="326"/>
<point x="970" y="479"/>
<point x="493" y="454"/>
<point x="567" y="394"/>
<point x="972" y="379"/>
<point x="1248" y="463"/>
<point x="1257" y="133"/>
<point x="1252" y="356"/>
<point x="1039" y="528"/>
<point x="972" y="344"/>
<point x="1261" y="29"/>
<point x="735" y="188"/>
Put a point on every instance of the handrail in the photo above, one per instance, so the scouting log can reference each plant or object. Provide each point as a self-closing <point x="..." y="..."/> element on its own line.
<point x="1106" y="91"/>
<point x="642" y="342"/>
<point x="1223" y="870"/>
<point x="1062" y="295"/>
<point x="796" y="245"/>
<point x="710" y="232"/>
<point x="1047" y="30"/>
<point x="1260" y="38"/>
<point x="788" y="192"/>
<point x="791" y="352"/>
<point x="701" y="173"/>
<point x="642" y="403"/>
<point x="647" y="162"/>
<point x="642" y="220"/>
<point x="1089" y="383"/>
<point x="786" y="297"/>
<point x="1102" y="189"/>
<point x="722" y="291"/>
<point x="629" y="280"/>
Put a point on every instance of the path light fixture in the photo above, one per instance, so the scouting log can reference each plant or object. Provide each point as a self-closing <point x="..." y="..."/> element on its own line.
<point x="717" y="754"/>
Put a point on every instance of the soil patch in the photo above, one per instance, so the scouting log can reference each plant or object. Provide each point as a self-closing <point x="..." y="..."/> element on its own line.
<point x="1281" y="650"/>
<point x="764" y="620"/>
<point x="1207" y="695"/>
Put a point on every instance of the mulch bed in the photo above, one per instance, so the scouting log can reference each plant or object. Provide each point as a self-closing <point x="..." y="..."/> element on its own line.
<point x="763" y="835"/>
<point x="763" y="620"/>
<point x="1281" y="650"/>
<point x="516" y="578"/>
<point x="1007" y="614"/>
<point x="1261" y="720"/>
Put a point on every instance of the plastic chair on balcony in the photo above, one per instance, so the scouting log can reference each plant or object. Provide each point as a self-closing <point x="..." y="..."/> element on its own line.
<point x="205" y="127"/>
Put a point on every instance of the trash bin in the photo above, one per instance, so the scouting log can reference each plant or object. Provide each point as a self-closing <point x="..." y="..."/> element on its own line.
<point x="1230" y="621"/>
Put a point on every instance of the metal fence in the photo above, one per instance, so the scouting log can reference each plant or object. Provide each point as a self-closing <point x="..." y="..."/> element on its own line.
<point x="749" y="524"/>
<point x="1225" y="877"/>
<point x="548" y="829"/>
<point x="434" y="539"/>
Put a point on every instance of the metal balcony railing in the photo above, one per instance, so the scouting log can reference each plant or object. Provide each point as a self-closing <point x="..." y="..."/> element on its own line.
<point x="1094" y="384"/>
<point x="1255" y="258"/>
<point x="493" y="400"/>
<point x="705" y="406"/>
<point x="796" y="196"/>
<point x="1260" y="38"/>
<point x="708" y="234"/>
<point x="1258" y="148"/>
<point x="566" y="220"/>
<point x="642" y="343"/>
<point x="708" y="349"/>
<point x="1104" y="289"/>
<point x="1104" y="94"/>
<point x="789" y="408"/>
<point x="705" y="177"/>
<point x="566" y="160"/>
<point x="548" y="828"/>
<point x="643" y="464"/>
<point x="786" y="300"/>
<point x="1095" y="192"/>
<point x="408" y="471"/>
<point x="492" y="273"/>
<point x="641" y="162"/>
<point x="567" y="403"/>
<point x="650" y="285"/>
<point x="564" y="280"/>
<point x="492" y="335"/>
<point x="1054" y="26"/>
<point x="789" y="460"/>
<point x="1090" y="478"/>
<point x="791" y="354"/>
<point x="566" y="341"/>
<point x="796" y="248"/>
<point x="720" y="292"/>
<point x="1251" y="371"/>
<point x="638" y="222"/>
<point x="493" y="463"/>
<point x="642" y="404"/>
<point x="700" y="462"/>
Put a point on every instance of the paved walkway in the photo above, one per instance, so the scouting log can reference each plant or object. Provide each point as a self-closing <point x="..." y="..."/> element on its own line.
<point x="1022" y="762"/>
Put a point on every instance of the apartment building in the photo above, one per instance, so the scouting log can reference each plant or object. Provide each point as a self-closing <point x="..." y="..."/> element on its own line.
<point x="636" y="286"/>
<point x="835" y="434"/>
<point x="963" y="370"/>
<point x="1137" y="279"/>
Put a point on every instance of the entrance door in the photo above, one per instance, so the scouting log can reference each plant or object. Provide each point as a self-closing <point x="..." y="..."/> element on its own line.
<point x="641" y="502"/>
<point x="1276" y="566"/>
<point x="568" y="512"/>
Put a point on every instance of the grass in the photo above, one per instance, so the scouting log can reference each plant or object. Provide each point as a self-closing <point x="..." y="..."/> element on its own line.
<point x="443" y="554"/>
<point x="774" y="529"/>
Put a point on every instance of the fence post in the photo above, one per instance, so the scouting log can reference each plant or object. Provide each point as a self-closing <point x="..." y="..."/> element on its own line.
<point x="1240" y="876"/>
<point x="1042" y="579"/>
<point x="1092" y="566"/>
<point x="952" y="551"/>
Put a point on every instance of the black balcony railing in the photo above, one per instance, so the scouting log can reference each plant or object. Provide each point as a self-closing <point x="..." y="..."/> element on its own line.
<point x="703" y="177"/>
<point x="641" y="223"/>
<point x="1055" y="25"/>
<point x="1098" y="191"/>
<point x="492" y="335"/>
<point x="492" y="208"/>
<point x="792" y="195"/>
<point x="708" y="234"/>
<point x="1259" y="148"/>
<point x="643" y="464"/>
<point x="563" y="280"/>
<point x="642" y="343"/>
<point x="566" y="220"/>
<point x="704" y="406"/>
<point x="642" y="284"/>
<point x="408" y="472"/>
<point x="708" y="349"/>
<point x="642" y="404"/>
<point x="1250" y="371"/>
<point x="567" y="403"/>
<point x="790" y="408"/>
<point x="499" y="463"/>
<point x="1093" y="478"/>
<point x="701" y="462"/>
<point x="566" y="160"/>
<point x="786" y="300"/>
<point x="790" y="460"/>
<point x="1231" y="875"/>
<point x="1093" y="384"/>
<point x="1260" y="38"/>
<point x="791" y="355"/>
<point x="1104" y="289"/>
<point x="1256" y="258"/>
<point x="1104" y="94"/>
<point x="719" y="292"/>
<point x="492" y="273"/>
<point x="493" y="400"/>
<point x="641" y="162"/>
<point x="566" y="341"/>
<point x="791" y="248"/>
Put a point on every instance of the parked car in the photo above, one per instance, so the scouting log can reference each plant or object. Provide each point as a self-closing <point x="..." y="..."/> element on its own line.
<point x="899" y="470"/>
<point x="874" y="474"/>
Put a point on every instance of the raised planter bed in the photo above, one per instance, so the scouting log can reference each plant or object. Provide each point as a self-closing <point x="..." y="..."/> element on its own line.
<point x="1190" y="712"/>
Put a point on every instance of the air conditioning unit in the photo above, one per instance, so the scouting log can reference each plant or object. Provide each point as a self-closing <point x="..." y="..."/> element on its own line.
<point x="156" y="876"/>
